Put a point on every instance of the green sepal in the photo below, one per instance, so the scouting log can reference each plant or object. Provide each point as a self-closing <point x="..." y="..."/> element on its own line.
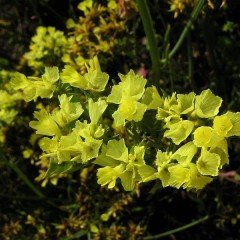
<point x="58" y="168"/>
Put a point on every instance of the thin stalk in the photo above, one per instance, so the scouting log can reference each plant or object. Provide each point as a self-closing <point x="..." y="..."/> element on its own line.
<point x="24" y="178"/>
<point x="190" y="61"/>
<point x="26" y="198"/>
<point x="17" y="197"/>
<point x="170" y="232"/>
<point x="194" y="15"/>
<point x="170" y="75"/>
<point x="21" y="175"/>
<point x="71" y="11"/>
<point x="151" y="37"/>
<point x="166" y="40"/>
<point x="89" y="236"/>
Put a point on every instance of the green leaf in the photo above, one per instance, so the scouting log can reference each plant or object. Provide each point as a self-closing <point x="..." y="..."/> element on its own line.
<point x="56" y="168"/>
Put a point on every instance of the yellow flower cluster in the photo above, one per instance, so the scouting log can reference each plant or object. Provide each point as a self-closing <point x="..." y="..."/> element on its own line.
<point x="192" y="142"/>
<point x="46" y="48"/>
<point x="8" y="100"/>
<point x="100" y="31"/>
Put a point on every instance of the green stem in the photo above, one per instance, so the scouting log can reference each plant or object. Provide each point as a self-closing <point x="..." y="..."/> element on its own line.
<point x="24" y="178"/>
<point x="170" y="232"/>
<point x="194" y="15"/>
<point x="151" y="37"/>
<point x="21" y="175"/>
<point x="26" y="198"/>
<point x="17" y="197"/>
<point x="170" y="75"/>
<point x="190" y="61"/>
